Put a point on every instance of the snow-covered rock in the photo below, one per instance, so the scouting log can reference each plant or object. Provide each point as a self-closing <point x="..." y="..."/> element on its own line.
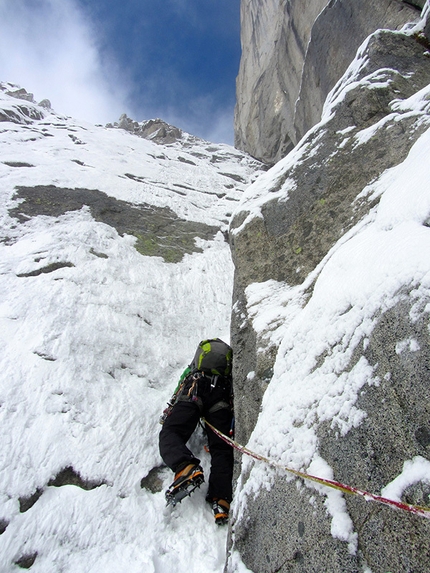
<point x="114" y="264"/>
<point x="292" y="55"/>
<point x="331" y="328"/>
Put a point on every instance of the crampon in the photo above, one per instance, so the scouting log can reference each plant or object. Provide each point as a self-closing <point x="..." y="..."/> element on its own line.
<point x="186" y="481"/>
<point x="220" y="508"/>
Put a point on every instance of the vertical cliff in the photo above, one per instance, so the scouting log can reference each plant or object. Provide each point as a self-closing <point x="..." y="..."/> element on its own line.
<point x="293" y="52"/>
<point x="330" y="321"/>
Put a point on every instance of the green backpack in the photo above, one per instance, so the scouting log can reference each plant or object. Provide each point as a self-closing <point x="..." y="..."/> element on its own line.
<point x="213" y="356"/>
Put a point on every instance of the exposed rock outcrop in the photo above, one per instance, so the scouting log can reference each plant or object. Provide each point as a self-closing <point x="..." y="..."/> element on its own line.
<point x="159" y="231"/>
<point x="17" y="92"/>
<point x="293" y="52"/>
<point x="25" y="114"/>
<point x="155" y="130"/>
<point x="290" y="223"/>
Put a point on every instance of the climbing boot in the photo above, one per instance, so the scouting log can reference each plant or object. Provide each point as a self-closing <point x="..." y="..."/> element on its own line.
<point x="221" y="508"/>
<point x="186" y="481"/>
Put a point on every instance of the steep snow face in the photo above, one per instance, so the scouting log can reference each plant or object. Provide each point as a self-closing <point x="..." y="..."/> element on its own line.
<point x="93" y="337"/>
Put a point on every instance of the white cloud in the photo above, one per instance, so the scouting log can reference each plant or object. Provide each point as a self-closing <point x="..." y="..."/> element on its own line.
<point x="222" y="128"/>
<point x="53" y="48"/>
<point x="49" y="47"/>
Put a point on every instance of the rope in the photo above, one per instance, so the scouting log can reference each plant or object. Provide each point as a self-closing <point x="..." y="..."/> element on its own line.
<point x="415" y="509"/>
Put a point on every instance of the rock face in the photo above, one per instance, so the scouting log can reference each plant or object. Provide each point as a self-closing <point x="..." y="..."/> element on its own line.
<point x="159" y="231"/>
<point x="21" y="113"/>
<point x="293" y="52"/>
<point x="155" y="130"/>
<point x="290" y="224"/>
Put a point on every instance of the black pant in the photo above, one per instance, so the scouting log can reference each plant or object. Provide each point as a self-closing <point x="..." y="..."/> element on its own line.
<point x="179" y="426"/>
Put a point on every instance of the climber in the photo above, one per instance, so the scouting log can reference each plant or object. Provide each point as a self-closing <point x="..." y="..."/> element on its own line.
<point x="204" y="390"/>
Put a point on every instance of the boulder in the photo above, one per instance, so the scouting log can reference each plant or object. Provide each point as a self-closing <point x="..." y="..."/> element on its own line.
<point x="46" y="104"/>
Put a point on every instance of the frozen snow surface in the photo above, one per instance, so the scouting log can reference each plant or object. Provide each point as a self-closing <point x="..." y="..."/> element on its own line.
<point x="92" y="350"/>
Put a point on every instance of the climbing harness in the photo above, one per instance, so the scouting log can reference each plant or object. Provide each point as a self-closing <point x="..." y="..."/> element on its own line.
<point x="175" y="397"/>
<point x="190" y="394"/>
<point x="415" y="509"/>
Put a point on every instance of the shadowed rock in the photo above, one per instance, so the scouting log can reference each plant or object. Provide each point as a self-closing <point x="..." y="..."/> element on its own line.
<point x="26" y="561"/>
<point x="48" y="269"/>
<point x="27" y="502"/>
<point x="3" y="525"/>
<point x="68" y="476"/>
<point x="153" y="482"/>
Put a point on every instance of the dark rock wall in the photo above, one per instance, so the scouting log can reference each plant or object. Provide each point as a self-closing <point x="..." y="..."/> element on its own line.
<point x="278" y="530"/>
<point x="293" y="52"/>
<point x="336" y="34"/>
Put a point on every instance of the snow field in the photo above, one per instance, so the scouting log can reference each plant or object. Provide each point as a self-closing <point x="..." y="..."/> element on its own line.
<point x="91" y="351"/>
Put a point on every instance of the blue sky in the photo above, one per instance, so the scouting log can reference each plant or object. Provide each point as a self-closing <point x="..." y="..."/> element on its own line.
<point x="96" y="59"/>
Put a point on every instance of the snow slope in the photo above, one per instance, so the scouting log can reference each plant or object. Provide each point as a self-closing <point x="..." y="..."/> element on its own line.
<point x="91" y="349"/>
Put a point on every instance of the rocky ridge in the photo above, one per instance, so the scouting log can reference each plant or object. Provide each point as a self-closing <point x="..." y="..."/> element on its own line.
<point x="155" y="130"/>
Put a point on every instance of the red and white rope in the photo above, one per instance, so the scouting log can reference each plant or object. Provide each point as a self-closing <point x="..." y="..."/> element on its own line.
<point x="415" y="509"/>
